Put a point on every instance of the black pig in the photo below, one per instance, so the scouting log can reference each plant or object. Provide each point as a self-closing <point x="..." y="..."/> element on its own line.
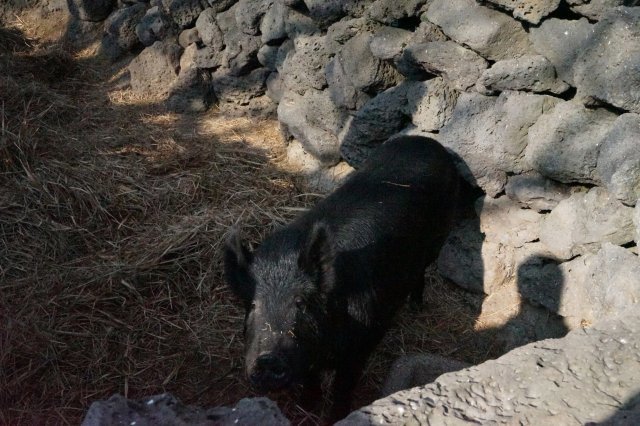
<point x="321" y="292"/>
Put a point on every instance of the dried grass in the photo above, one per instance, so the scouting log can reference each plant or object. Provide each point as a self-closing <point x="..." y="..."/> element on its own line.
<point x="112" y="215"/>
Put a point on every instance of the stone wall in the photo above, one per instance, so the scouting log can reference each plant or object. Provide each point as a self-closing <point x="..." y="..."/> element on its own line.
<point x="166" y="410"/>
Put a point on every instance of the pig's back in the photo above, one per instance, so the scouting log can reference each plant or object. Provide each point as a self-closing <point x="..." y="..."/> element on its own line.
<point x="406" y="192"/>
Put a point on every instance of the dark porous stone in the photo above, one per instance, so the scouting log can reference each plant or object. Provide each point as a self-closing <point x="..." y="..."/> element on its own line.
<point x="191" y="92"/>
<point x="154" y="26"/>
<point x="120" y="35"/>
<point x="183" y="12"/>
<point x="608" y="69"/>
<point x="166" y="410"/>
<point x="208" y="29"/>
<point x="90" y="10"/>
<point x="155" y="68"/>
<point x="460" y="66"/>
<point x="249" y="14"/>
<point x="188" y="37"/>
<point x="366" y="72"/>
<point x="342" y="90"/>
<point x="364" y="131"/>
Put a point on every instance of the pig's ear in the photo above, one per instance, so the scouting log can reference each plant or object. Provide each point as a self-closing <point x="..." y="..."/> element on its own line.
<point x="317" y="257"/>
<point x="237" y="259"/>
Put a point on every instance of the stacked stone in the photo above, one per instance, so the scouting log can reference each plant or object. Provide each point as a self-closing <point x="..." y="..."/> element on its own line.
<point x="590" y="377"/>
<point x="538" y="100"/>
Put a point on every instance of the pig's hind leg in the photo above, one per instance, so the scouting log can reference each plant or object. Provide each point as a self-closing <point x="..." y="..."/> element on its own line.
<point x="418" y="281"/>
<point x="312" y="397"/>
<point x="345" y="381"/>
<point x="415" y="297"/>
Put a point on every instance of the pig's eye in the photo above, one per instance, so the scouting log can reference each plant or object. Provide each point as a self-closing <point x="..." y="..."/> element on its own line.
<point x="299" y="302"/>
<point x="253" y="305"/>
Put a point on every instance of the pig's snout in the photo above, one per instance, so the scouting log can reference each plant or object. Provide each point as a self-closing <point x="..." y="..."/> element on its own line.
<point x="270" y="372"/>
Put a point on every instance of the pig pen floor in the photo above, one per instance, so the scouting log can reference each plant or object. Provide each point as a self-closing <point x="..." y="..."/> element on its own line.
<point x="112" y="214"/>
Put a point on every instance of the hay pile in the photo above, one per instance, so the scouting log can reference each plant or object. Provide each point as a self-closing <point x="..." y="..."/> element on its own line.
<point x="112" y="215"/>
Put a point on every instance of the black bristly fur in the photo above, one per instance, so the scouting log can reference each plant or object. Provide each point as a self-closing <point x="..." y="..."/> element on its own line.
<point x="317" y="257"/>
<point x="237" y="259"/>
<point x="325" y="288"/>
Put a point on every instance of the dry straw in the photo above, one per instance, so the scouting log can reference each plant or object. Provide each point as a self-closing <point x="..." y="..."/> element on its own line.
<point x="112" y="216"/>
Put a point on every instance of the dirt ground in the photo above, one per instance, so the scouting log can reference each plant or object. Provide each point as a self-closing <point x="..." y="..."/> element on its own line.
<point x="112" y="216"/>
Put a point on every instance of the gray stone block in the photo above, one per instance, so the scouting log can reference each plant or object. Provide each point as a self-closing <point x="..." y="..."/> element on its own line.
<point x="413" y="370"/>
<point x="275" y="87"/>
<point x="226" y="20"/>
<point x="120" y="35"/>
<point x="389" y="42"/>
<point x="296" y="114"/>
<point x="268" y="56"/>
<point x="191" y="92"/>
<point x="607" y="70"/>
<point x="534" y="191"/>
<point x="183" y="12"/>
<point x="300" y="24"/>
<point x="561" y="41"/>
<point x="221" y="5"/>
<point x="316" y="176"/>
<point x="460" y="66"/>
<point x="481" y="263"/>
<point x="241" y="50"/>
<point x="166" y="410"/>
<point x="322" y="112"/>
<point x="366" y="72"/>
<point x="391" y="12"/>
<point x="342" y="31"/>
<point x="285" y="49"/>
<point x="528" y="10"/>
<point x="188" y="37"/>
<point x="533" y="73"/>
<point x="343" y="92"/>
<point x="357" y="8"/>
<point x="426" y="32"/>
<point x="204" y="58"/>
<point x="636" y="222"/>
<point x="155" y="68"/>
<point x="503" y="221"/>
<point x="511" y="320"/>
<point x="208" y="29"/>
<point x="590" y="288"/>
<point x="90" y="10"/>
<point x="239" y="91"/>
<point x="596" y="9"/>
<point x="303" y="67"/>
<point x="583" y="222"/>
<point x="325" y="12"/>
<point x="564" y="143"/>
<point x="430" y="103"/>
<point x="273" y="25"/>
<point x="490" y="33"/>
<point x="375" y="122"/>
<point x="619" y="159"/>
<point x="249" y="14"/>
<point x="460" y="259"/>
